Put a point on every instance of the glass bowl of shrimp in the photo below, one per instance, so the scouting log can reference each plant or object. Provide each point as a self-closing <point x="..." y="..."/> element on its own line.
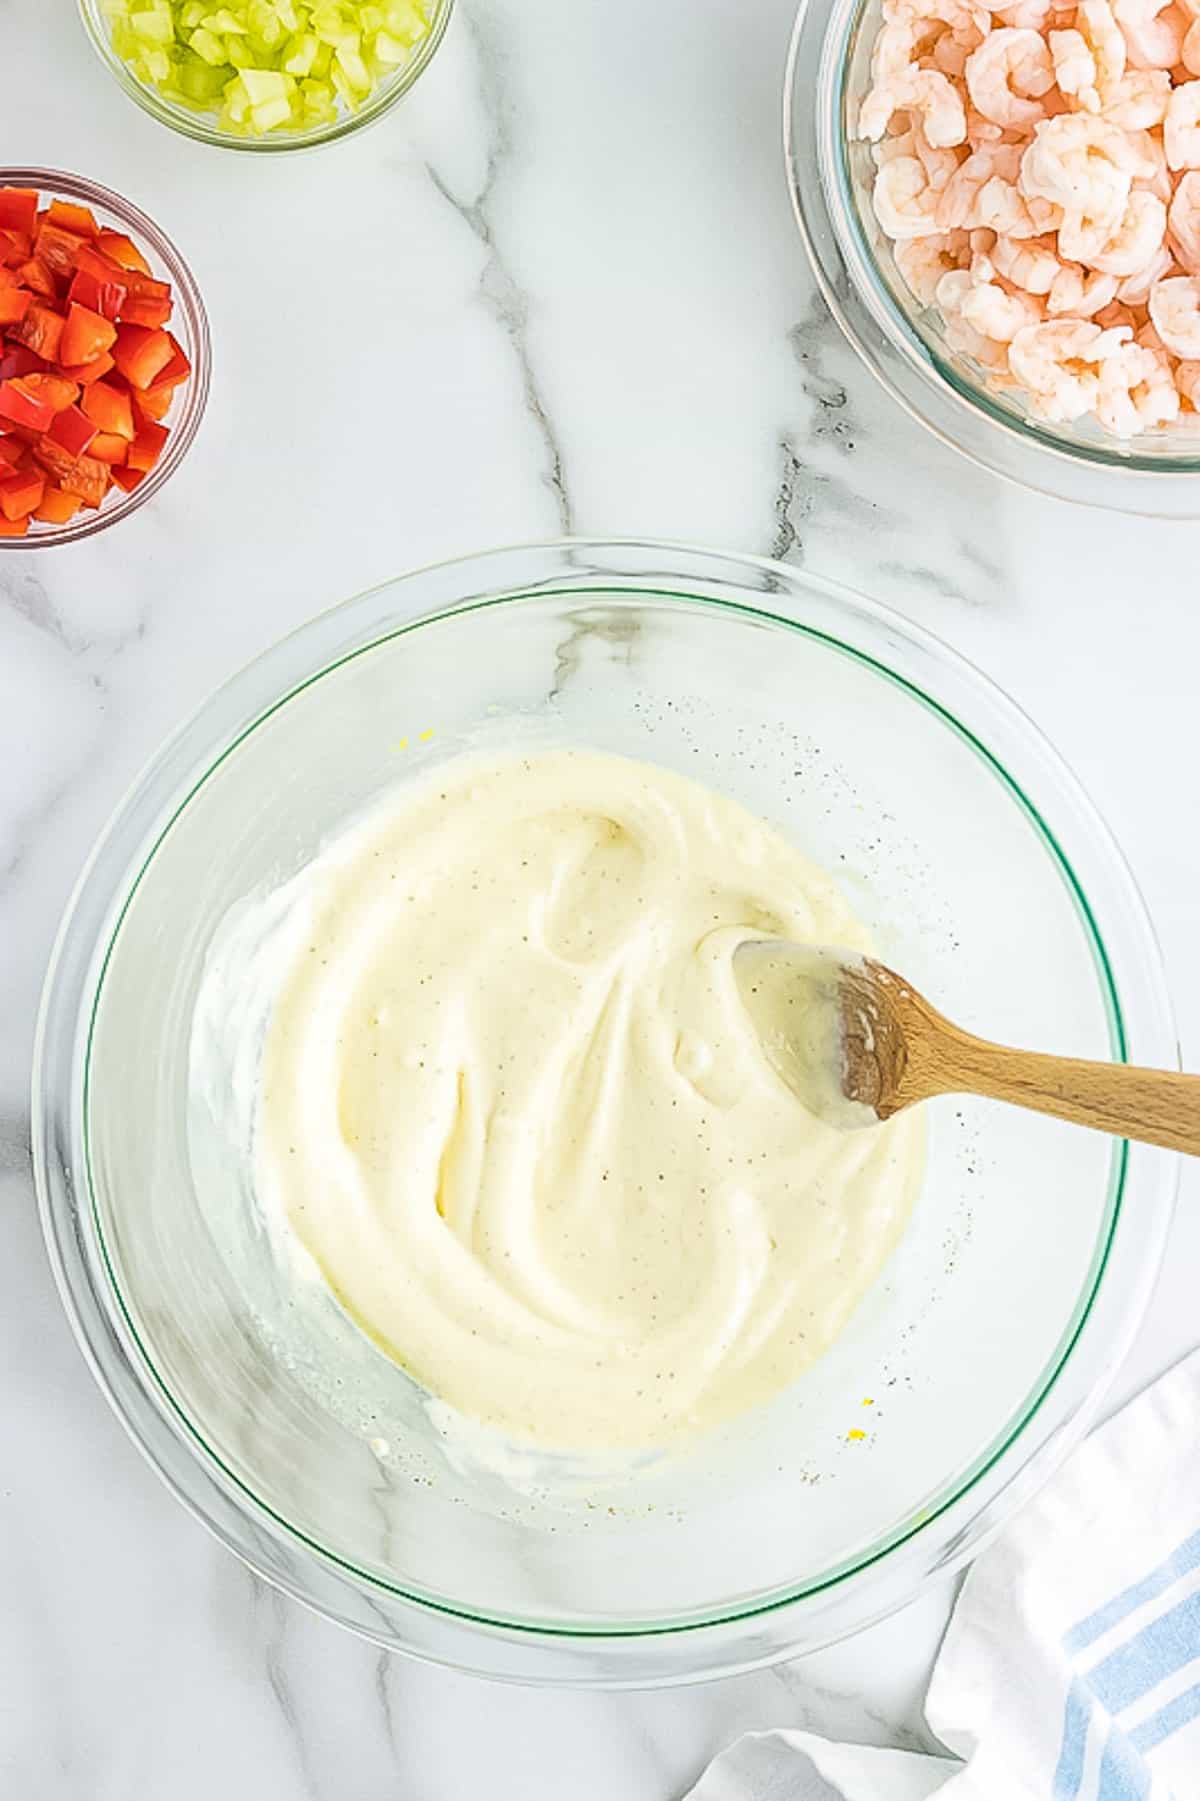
<point x="1002" y="208"/>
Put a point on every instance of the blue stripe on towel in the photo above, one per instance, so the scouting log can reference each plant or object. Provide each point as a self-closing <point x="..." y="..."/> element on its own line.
<point x="1166" y="1645"/>
<point x="1077" y="1718"/>
<point x="1184" y="1558"/>
<point x="1123" y="1776"/>
<point x="1179" y="1712"/>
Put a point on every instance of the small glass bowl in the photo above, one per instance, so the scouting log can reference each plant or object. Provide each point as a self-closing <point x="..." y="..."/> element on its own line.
<point x="904" y="342"/>
<point x="189" y="323"/>
<point x="202" y="126"/>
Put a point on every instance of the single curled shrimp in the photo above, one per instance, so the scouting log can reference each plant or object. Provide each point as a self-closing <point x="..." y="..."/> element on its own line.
<point x="1135" y="289"/>
<point x="1137" y="391"/>
<point x="1081" y="163"/>
<point x="925" y="92"/>
<point x="1097" y="26"/>
<point x="1122" y="249"/>
<point x="904" y="202"/>
<point x="1175" y="314"/>
<point x="1139" y="100"/>
<point x="959" y="197"/>
<point x="1153" y="31"/>
<point x="1059" y="364"/>
<point x="1074" y="68"/>
<point x="923" y="261"/>
<point x="1183" y="221"/>
<point x="1008" y="75"/>
<point x="1033" y="266"/>
<point x="960" y="335"/>
<point x="996" y="312"/>
<point x="1181" y="128"/>
<point x="1077" y="293"/>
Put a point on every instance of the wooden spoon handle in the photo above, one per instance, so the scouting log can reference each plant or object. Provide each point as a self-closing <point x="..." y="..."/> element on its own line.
<point x="1155" y="1106"/>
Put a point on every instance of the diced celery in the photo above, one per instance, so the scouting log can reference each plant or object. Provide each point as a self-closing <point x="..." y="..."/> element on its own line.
<point x="208" y="47"/>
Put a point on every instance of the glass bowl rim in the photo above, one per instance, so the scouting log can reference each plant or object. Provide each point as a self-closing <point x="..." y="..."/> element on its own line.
<point x="959" y="413"/>
<point x="177" y="118"/>
<point x="639" y="586"/>
<point x="199" y="343"/>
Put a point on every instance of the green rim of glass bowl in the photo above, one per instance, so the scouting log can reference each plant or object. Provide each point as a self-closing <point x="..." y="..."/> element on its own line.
<point x="200" y="125"/>
<point x="970" y="393"/>
<point x="960" y="1486"/>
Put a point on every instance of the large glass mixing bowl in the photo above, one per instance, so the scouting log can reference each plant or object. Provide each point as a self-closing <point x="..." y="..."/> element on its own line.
<point x="971" y="1368"/>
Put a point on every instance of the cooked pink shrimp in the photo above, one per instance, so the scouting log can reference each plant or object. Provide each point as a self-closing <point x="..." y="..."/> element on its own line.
<point x="923" y="261"/>
<point x="1135" y="289"/>
<point x="926" y="92"/>
<point x="1074" y="68"/>
<point x="961" y="336"/>
<point x="1122" y="249"/>
<point x="1183" y="221"/>
<point x="1137" y="391"/>
<point x="1153" y="31"/>
<point x="956" y="208"/>
<point x="996" y="313"/>
<point x="1181" y="130"/>
<point x="1078" y="293"/>
<point x="1175" y="314"/>
<point x="1187" y="381"/>
<point x="1008" y="75"/>
<point x="1153" y="175"/>
<point x="1059" y="365"/>
<point x="1033" y="266"/>
<point x="904" y="202"/>
<point x="1097" y="26"/>
<point x="1139" y="100"/>
<point x="1081" y="163"/>
<point x="1025" y="15"/>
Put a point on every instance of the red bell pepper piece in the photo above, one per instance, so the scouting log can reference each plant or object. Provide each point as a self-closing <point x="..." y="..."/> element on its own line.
<point x="41" y="330"/>
<point x="19" y="361"/>
<point x="21" y="492"/>
<point x="129" y="479"/>
<point x="56" y="507"/>
<point x="110" y="409"/>
<point x="18" y="209"/>
<point x="34" y="274"/>
<point x="177" y="370"/>
<point x="122" y="250"/>
<point x="23" y="409"/>
<point x="73" y="430"/>
<point x="11" y="451"/>
<point x="14" y="304"/>
<point x="79" y="219"/>
<point x="142" y="355"/>
<point x="13" y="528"/>
<point x="148" y="446"/>
<point x="84" y="373"/>
<point x="155" y="403"/>
<point x="109" y="447"/>
<point x="83" y="476"/>
<point x="146" y="309"/>
<point x="86" y="335"/>
<point x="100" y="294"/>
<point x="58" y="391"/>
<point x="58" y="248"/>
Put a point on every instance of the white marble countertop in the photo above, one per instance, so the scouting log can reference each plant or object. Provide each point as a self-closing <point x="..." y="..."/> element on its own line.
<point x="559" y="288"/>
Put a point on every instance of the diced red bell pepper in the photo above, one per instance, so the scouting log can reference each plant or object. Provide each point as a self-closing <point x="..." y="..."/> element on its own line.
<point x="177" y="370"/>
<point x="13" y="528"/>
<point x="109" y="447"/>
<point x="86" y="335"/>
<point x="73" y="430"/>
<point x="58" y="248"/>
<point x="129" y="479"/>
<point x="122" y="250"/>
<point x="146" y="309"/>
<point x="41" y="330"/>
<point x="93" y="261"/>
<point x="85" y="373"/>
<point x="110" y="409"/>
<point x="154" y="403"/>
<point x="14" y="304"/>
<point x="100" y="294"/>
<point x="57" y="508"/>
<point x="15" y="247"/>
<point x="148" y="446"/>
<point x="19" y="361"/>
<point x="11" y="451"/>
<point x="58" y="391"/>
<point x="141" y="355"/>
<point x="79" y="219"/>
<point x="21" y="493"/>
<point x="34" y="274"/>
<point x="18" y="209"/>
<point x="83" y="476"/>
<point x="23" y="409"/>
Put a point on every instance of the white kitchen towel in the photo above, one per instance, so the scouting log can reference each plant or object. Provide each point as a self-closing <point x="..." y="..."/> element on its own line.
<point x="1071" y="1667"/>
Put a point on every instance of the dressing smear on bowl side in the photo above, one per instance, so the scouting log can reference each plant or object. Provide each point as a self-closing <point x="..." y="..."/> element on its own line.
<point x="512" y="1108"/>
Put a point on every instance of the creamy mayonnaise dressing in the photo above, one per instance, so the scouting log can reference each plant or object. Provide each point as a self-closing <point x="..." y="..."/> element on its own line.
<point x="511" y="1104"/>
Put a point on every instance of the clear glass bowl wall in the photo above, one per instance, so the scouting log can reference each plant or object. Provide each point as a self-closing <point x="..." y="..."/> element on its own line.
<point x="903" y="342"/>
<point x="203" y="126"/>
<point x="189" y="323"/>
<point x="986" y="875"/>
